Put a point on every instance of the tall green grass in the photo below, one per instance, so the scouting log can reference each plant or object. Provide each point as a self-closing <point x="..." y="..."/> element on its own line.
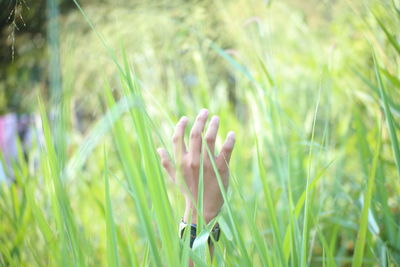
<point x="314" y="174"/>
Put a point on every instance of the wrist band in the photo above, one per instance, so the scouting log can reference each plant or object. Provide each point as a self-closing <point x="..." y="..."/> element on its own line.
<point x="193" y="230"/>
<point x="215" y="232"/>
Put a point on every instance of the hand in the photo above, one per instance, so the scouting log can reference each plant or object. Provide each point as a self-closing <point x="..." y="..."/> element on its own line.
<point x="188" y="165"/>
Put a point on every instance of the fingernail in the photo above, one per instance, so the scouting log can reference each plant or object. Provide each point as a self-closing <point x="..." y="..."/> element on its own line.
<point x="215" y="118"/>
<point x="231" y="135"/>
<point x="184" y="119"/>
<point x="203" y="112"/>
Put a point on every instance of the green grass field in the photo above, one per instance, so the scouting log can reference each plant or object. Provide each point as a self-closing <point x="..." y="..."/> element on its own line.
<point x="311" y="90"/>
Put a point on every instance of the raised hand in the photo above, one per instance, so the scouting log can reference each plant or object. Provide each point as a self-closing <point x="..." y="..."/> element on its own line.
<point x="188" y="162"/>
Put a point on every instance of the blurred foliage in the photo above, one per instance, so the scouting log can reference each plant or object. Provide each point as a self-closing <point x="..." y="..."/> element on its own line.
<point x="261" y="66"/>
<point x="23" y="35"/>
<point x="23" y="60"/>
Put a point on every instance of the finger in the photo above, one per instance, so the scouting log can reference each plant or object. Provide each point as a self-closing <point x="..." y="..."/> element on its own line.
<point x="178" y="138"/>
<point x="195" y="137"/>
<point x="211" y="134"/>
<point x="226" y="151"/>
<point x="166" y="162"/>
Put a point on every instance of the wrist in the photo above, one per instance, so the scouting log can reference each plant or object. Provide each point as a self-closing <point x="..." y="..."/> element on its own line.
<point x="190" y="215"/>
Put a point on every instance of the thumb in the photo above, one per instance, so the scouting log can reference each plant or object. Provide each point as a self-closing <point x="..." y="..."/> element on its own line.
<point x="166" y="162"/>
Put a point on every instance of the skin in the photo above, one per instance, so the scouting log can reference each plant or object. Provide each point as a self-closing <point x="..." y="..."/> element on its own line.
<point x="187" y="166"/>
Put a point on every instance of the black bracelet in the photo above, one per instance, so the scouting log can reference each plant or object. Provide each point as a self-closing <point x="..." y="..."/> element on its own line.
<point x="215" y="232"/>
<point x="193" y="231"/>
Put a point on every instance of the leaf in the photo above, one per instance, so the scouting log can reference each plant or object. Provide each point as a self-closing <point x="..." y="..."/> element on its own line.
<point x="362" y="233"/>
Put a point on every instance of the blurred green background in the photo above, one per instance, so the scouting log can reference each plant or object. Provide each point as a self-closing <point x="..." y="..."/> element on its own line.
<point x="311" y="89"/>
